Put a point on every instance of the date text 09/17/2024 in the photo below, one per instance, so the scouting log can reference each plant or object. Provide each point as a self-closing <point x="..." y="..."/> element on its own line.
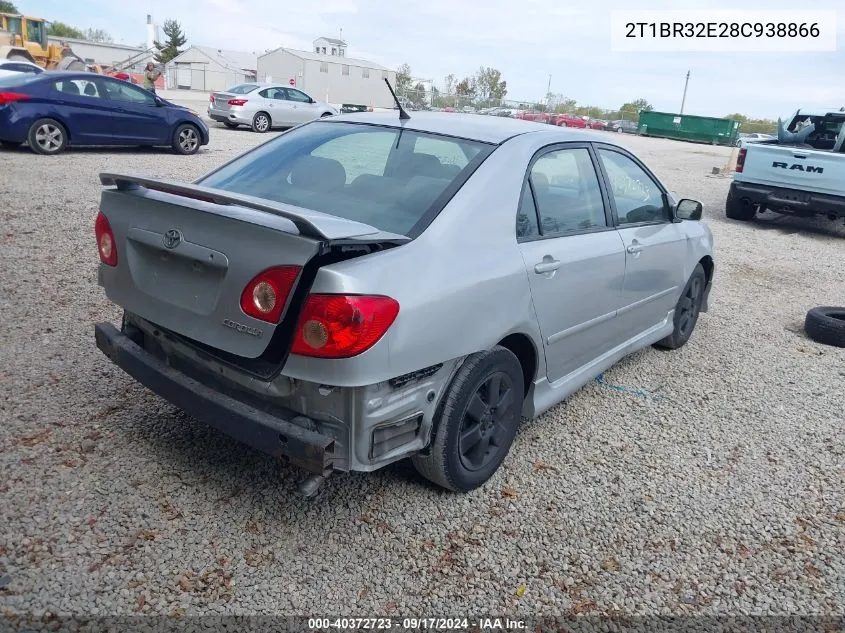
<point x="416" y="624"/>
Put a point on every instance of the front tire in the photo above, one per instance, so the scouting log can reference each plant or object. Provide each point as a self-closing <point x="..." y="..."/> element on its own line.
<point x="325" y="114"/>
<point x="186" y="139"/>
<point x="686" y="310"/>
<point x="47" y="137"/>
<point x="476" y="422"/>
<point x="261" y="122"/>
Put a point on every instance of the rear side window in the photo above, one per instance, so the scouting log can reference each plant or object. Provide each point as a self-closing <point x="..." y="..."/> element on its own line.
<point x="78" y="87"/>
<point x="242" y="89"/>
<point x="381" y="176"/>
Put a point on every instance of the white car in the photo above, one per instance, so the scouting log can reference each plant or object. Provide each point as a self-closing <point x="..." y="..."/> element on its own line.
<point x="14" y="66"/>
<point x="263" y="106"/>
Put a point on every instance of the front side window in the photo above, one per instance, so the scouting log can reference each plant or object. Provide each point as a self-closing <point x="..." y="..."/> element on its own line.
<point x="635" y="194"/>
<point x="567" y="192"/>
<point x="296" y="95"/>
<point x="126" y="93"/>
<point x="380" y="176"/>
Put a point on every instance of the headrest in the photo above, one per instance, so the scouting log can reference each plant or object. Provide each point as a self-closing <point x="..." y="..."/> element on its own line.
<point x="314" y="172"/>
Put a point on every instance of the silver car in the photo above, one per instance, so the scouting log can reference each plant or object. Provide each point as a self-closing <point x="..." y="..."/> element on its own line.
<point x="263" y="106"/>
<point x="364" y="288"/>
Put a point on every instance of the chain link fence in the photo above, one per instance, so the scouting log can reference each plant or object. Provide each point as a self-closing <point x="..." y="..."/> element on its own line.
<point x="433" y="98"/>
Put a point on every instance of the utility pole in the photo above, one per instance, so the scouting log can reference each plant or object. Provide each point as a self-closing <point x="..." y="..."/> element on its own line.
<point x="684" y="100"/>
<point x="548" y="91"/>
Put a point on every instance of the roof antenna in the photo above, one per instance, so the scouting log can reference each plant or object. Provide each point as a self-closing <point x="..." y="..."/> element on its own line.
<point x="402" y="113"/>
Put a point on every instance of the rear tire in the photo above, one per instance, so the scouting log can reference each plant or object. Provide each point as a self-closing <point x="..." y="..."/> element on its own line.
<point x="686" y="310"/>
<point x="186" y="139"/>
<point x="261" y="122"/>
<point x="737" y="209"/>
<point x="47" y="137"/>
<point x="826" y="325"/>
<point x="325" y="114"/>
<point x="231" y="125"/>
<point x="475" y="423"/>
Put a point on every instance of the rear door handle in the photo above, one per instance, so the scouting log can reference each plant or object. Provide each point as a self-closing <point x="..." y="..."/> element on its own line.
<point x="547" y="267"/>
<point x="634" y="248"/>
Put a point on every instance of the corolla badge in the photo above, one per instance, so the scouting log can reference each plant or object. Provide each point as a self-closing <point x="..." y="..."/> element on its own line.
<point x="172" y="238"/>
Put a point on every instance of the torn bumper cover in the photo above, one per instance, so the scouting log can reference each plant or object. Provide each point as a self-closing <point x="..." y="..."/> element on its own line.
<point x="310" y="451"/>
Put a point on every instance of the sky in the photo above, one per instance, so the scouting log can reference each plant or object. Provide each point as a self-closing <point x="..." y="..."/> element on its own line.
<point x="527" y="40"/>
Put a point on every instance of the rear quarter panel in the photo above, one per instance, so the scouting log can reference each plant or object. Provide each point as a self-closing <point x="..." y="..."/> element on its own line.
<point x="461" y="285"/>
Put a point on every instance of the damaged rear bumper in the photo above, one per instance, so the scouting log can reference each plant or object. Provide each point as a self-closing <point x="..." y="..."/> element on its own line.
<point x="789" y="201"/>
<point x="308" y="450"/>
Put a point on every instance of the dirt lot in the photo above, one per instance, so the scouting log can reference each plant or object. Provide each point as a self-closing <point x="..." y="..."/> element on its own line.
<point x="707" y="480"/>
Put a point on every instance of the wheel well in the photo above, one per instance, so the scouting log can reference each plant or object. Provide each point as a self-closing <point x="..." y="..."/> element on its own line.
<point x="707" y="264"/>
<point x="523" y="349"/>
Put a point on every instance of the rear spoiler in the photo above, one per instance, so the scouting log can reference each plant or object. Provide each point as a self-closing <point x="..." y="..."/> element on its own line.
<point x="309" y="223"/>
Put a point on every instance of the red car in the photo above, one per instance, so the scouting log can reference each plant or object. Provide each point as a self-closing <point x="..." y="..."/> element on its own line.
<point x="595" y="124"/>
<point x="538" y="117"/>
<point x="568" y="120"/>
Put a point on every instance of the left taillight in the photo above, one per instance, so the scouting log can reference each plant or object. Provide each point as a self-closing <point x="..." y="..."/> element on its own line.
<point x="342" y="326"/>
<point x="265" y="296"/>
<point x="9" y="97"/>
<point x="106" y="244"/>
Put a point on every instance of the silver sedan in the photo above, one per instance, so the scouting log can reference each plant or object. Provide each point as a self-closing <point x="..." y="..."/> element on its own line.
<point x="263" y="106"/>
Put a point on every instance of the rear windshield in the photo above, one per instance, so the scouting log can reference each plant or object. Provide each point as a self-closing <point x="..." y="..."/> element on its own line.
<point x="381" y="176"/>
<point x="242" y="89"/>
<point x="18" y="79"/>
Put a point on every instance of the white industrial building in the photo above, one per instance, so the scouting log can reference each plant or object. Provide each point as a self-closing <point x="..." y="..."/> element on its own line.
<point x="209" y="69"/>
<point x="327" y="74"/>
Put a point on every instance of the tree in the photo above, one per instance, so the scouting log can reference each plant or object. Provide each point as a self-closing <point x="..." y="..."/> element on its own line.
<point x="747" y="124"/>
<point x="175" y="38"/>
<point x="8" y="7"/>
<point x="403" y="79"/>
<point x="633" y="108"/>
<point x="489" y="84"/>
<point x="60" y="29"/>
<point x="465" y="87"/>
<point x="98" y="35"/>
<point x="449" y="83"/>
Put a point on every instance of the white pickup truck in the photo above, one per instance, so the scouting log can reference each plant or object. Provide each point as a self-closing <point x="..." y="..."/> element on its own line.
<point x="803" y="178"/>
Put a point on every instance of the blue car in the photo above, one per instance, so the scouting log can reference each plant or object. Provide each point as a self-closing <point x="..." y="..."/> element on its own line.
<point x="54" y="110"/>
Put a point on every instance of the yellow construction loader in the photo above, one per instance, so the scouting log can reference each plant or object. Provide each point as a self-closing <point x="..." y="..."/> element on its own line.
<point x="25" y="38"/>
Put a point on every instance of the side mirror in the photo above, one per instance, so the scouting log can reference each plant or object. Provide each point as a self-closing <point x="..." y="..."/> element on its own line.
<point x="689" y="210"/>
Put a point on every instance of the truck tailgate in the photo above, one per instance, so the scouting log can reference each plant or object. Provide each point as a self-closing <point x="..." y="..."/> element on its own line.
<point x="794" y="168"/>
<point x="185" y="253"/>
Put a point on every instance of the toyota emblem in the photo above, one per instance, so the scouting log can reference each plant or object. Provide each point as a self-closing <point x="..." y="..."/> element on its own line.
<point x="172" y="238"/>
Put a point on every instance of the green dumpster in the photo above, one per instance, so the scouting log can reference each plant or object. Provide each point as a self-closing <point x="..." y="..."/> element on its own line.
<point x="688" y="127"/>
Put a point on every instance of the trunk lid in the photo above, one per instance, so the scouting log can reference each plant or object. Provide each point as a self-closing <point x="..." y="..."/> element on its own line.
<point x="769" y="163"/>
<point x="220" y="100"/>
<point x="185" y="253"/>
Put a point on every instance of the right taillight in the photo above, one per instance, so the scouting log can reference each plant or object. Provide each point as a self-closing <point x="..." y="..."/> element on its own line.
<point x="236" y="102"/>
<point x="342" y="326"/>
<point x="9" y="97"/>
<point x="740" y="160"/>
<point x="265" y="295"/>
<point x="106" y="245"/>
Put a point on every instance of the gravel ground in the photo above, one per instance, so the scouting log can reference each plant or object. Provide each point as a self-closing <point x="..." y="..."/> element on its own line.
<point x="710" y="480"/>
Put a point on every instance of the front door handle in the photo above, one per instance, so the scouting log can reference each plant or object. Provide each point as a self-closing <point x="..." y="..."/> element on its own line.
<point x="634" y="248"/>
<point x="547" y="266"/>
